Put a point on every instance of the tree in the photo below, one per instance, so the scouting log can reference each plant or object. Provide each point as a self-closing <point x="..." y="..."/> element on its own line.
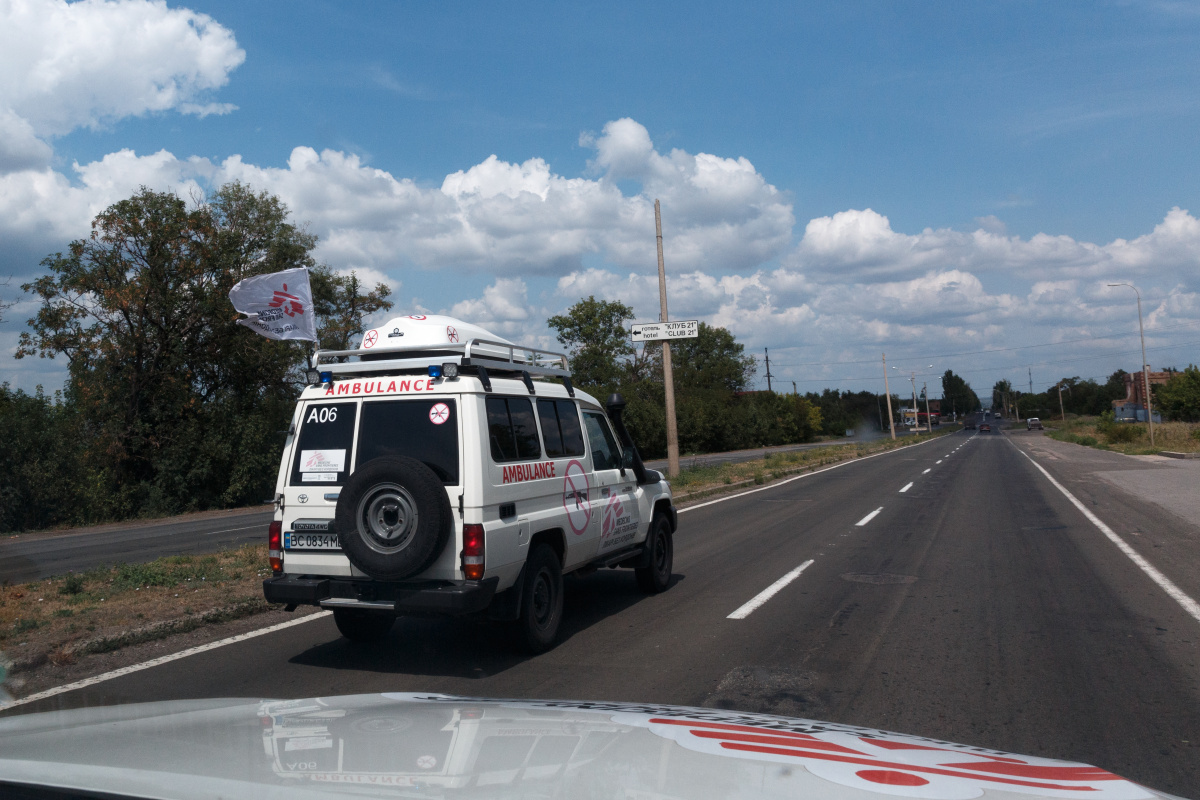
<point x="341" y="307"/>
<point x="957" y="395"/>
<point x="181" y="406"/>
<point x="1179" y="398"/>
<point x="593" y="331"/>
<point x="713" y="361"/>
<point x="1000" y="390"/>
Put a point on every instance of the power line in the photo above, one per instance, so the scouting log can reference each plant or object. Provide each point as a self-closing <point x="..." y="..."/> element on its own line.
<point x="1109" y="354"/>
<point x="978" y="352"/>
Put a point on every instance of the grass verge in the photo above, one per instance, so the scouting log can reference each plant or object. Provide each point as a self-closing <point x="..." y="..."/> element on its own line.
<point x="58" y="620"/>
<point x="706" y="479"/>
<point x="1129" y="438"/>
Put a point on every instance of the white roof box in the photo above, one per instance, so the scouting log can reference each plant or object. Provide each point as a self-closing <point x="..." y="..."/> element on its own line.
<point x="417" y="341"/>
<point x="425" y="331"/>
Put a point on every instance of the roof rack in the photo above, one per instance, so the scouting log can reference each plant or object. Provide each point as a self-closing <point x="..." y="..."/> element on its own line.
<point x="490" y="355"/>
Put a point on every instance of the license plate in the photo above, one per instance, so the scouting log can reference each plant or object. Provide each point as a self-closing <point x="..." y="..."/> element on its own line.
<point x="311" y="541"/>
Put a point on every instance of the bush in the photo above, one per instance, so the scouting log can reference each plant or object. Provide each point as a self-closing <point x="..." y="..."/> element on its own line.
<point x="72" y="585"/>
<point x="1123" y="433"/>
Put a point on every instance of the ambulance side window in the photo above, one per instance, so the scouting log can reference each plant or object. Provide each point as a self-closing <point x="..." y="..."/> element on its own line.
<point x="605" y="453"/>
<point x="512" y="430"/>
<point x="560" y="428"/>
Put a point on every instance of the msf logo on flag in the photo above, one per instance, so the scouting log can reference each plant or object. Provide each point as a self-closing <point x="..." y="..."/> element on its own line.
<point x="288" y="303"/>
<point x="278" y="306"/>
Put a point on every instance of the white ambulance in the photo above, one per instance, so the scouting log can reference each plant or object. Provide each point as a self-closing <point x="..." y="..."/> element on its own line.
<point x="441" y="470"/>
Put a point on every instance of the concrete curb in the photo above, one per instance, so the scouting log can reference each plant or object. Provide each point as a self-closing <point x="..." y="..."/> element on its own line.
<point x="1172" y="454"/>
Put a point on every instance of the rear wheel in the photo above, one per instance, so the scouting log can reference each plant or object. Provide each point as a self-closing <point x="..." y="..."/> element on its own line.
<point x="541" y="600"/>
<point x="655" y="577"/>
<point x="361" y="626"/>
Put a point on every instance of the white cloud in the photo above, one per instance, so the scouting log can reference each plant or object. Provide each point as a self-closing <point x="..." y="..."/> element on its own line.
<point x="83" y="64"/>
<point x="860" y="245"/>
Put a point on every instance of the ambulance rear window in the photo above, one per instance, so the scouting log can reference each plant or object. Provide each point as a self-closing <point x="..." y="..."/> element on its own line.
<point x="426" y="430"/>
<point x="323" y="447"/>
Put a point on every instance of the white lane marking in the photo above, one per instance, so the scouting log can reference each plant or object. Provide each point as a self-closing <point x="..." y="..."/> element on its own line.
<point x="798" y="477"/>
<point x="926" y="472"/>
<point x="1166" y="584"/>
<point x="868" y="517"/>
<point x="154" y="662"/>
<point x="907" y="486"/>
<point x="769" y="592"/>
<point x="231" y="530"/>
<point x="938" y="461"/>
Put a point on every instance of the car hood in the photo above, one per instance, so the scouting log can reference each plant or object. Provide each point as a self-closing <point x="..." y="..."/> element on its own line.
<point x="428" y="745"/>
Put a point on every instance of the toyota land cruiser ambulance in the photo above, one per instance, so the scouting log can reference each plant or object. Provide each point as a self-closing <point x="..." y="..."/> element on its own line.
<point x="441" y="470"/>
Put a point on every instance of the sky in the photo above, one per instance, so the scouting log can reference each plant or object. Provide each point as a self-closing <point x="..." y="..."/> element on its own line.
<point x="952" y="184"/>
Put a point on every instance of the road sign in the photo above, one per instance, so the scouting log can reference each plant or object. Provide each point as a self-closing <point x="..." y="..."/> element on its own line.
<point x="665" y="331"/>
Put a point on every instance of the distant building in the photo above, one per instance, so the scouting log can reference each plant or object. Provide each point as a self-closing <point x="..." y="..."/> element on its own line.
<point x="1133" y="407"/>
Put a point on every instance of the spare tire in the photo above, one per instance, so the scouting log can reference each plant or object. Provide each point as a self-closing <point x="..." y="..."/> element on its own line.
<point x="393" y="518"/>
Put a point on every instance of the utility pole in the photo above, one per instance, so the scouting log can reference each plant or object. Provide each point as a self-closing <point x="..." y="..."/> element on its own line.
<point x="1030" y="379"/>
<point x="913" y="378"/>
<point x="1062" y="413"/>
<point x="795" y="391"/>
<point x="1145" y="366"/>
<point x="888" y="389"/>
<point x="928" y="416"/>
<point x="768" y="360"/>
<point x="668" y="375"/>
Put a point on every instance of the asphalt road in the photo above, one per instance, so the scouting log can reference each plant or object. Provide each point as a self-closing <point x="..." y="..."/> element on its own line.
<point x="977" y="605"/>
<point x="30" y="557"/>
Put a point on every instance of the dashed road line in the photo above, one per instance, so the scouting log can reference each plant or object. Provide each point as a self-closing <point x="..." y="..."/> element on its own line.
<point x="938" y="461"/>
<point x="926" y="472"/>
<point x="801" y="476"/>
<point x="868" y="517"/>
<point x="766" y="594"/>
<point x="907" y="486"/>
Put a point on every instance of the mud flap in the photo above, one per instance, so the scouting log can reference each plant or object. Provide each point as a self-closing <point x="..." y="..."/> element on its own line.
<point x="506" y="606"/>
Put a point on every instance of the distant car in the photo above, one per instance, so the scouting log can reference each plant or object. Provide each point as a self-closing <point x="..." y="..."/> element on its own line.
<point x="985" y="428"/>
<point x="1033" y="424"/>
<point x="969" y="425"/>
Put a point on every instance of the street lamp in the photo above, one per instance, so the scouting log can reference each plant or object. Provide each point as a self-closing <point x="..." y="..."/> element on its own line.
<point x="1145" y="366"/>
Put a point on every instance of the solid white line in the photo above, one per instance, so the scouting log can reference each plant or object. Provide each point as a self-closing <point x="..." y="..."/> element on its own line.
<point x="769" y="592"/>
<point x="154" y="662"/>
<point x="926" y="472"/>
<point x="231" y="530"/>
<point x="868" y="517"/>
<point x="907" y="486"/>
<point x="1166" y="584"/>
<point x="799" y="477"/>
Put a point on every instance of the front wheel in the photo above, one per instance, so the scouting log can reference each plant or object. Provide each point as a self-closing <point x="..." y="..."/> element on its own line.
<point x="541" y="600"/>
<point x="360" y="626"/>
<point x="655" y="577"/>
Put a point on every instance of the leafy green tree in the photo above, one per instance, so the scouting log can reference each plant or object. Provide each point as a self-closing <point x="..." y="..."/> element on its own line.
<point x="180" y="407"/>
<point x="342" y="305"/>
<point x="713" y="361"/>
<point x="593" y="331"/>
<point x="1000" y="390"/>
<point x="1179" y="398"/>
<point x="957" y="395"/>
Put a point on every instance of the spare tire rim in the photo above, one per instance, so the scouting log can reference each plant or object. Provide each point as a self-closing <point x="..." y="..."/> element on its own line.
<point x="387" y="515"/>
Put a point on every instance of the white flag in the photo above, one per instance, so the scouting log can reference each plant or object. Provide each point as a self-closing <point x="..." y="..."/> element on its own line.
<point x="279" y="305"/>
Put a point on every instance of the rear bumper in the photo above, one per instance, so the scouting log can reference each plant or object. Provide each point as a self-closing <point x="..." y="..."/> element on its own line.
<point x="436" y="598"/>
